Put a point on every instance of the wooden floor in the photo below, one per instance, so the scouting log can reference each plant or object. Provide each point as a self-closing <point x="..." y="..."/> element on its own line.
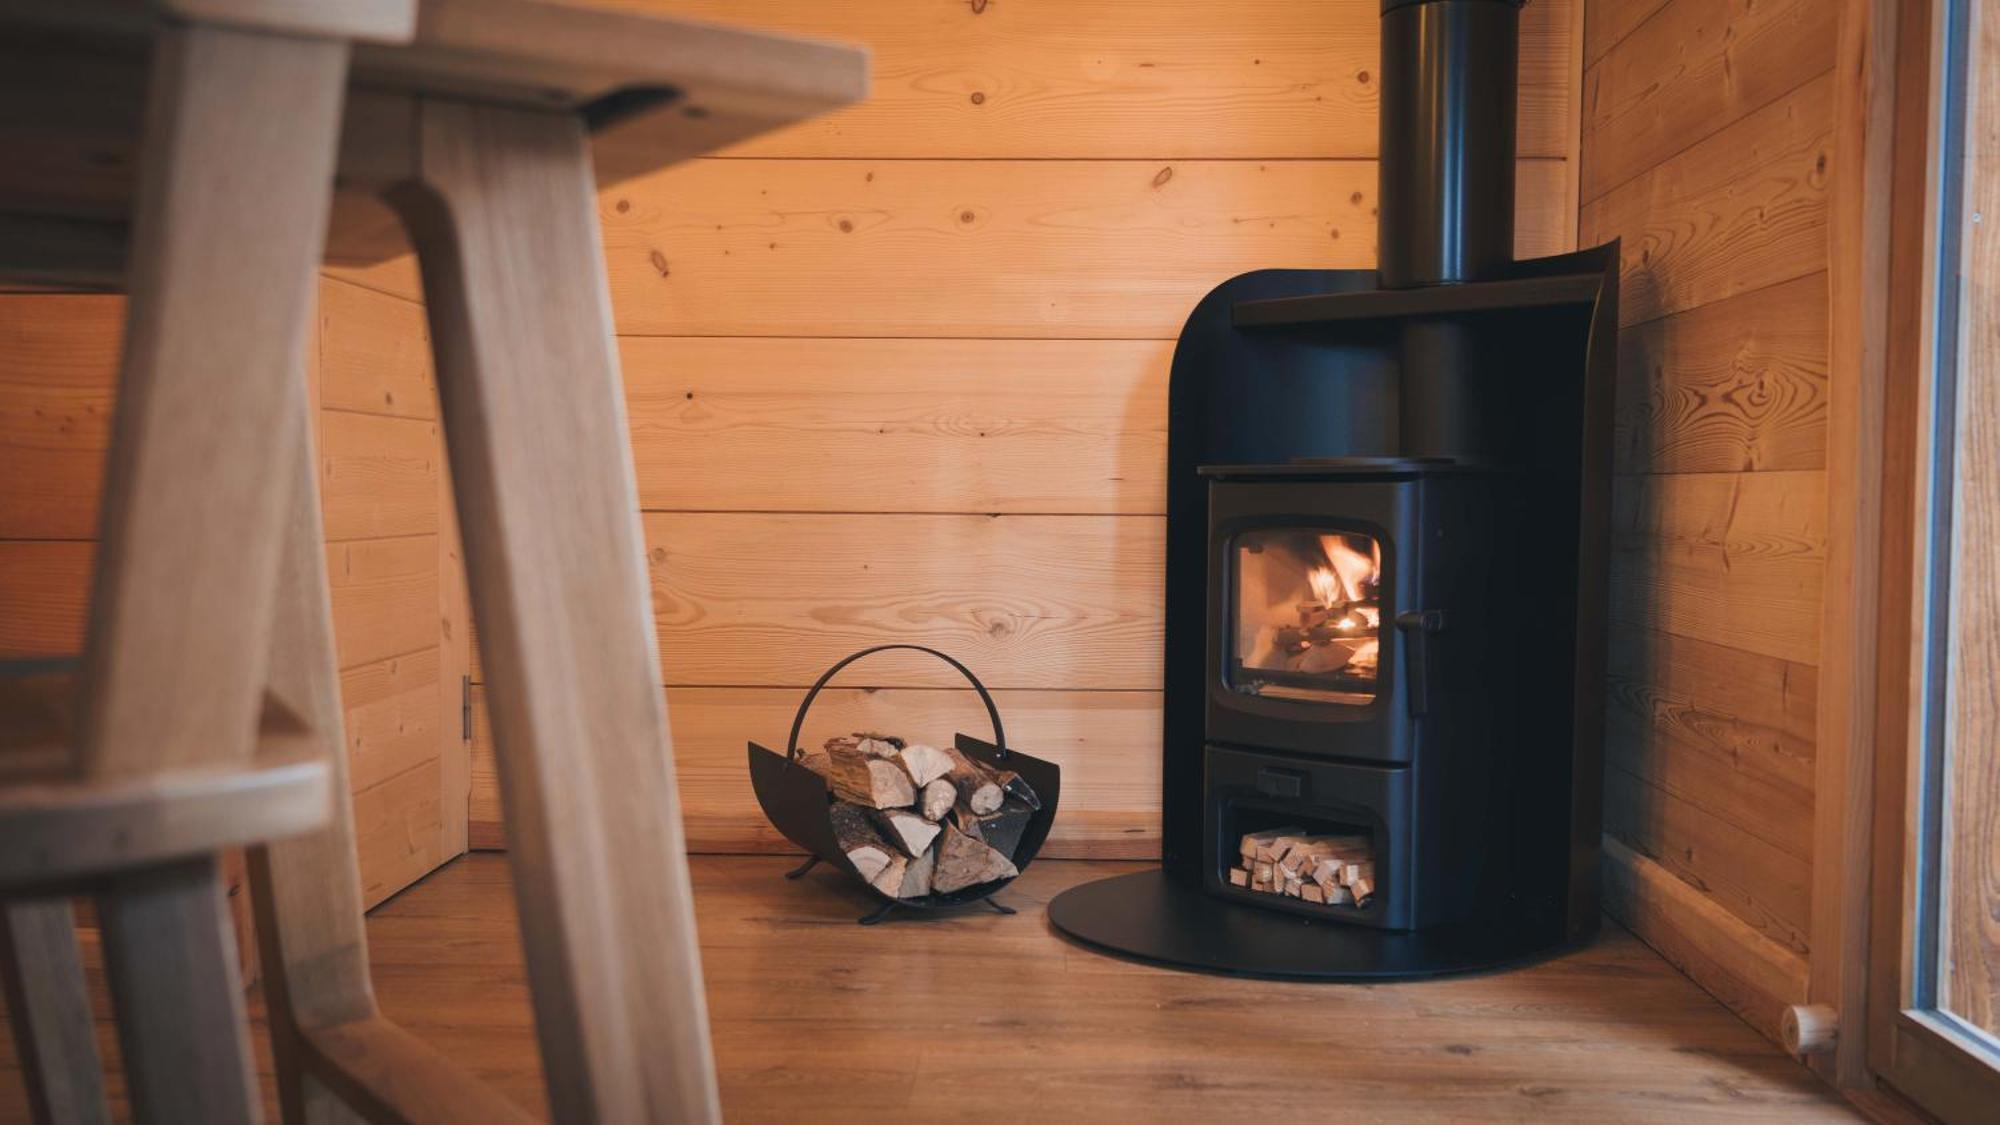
<point x="983" y="1018"/>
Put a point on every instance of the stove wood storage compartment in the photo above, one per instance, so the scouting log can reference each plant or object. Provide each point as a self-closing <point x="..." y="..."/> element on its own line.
<point x="1387" y="537"/>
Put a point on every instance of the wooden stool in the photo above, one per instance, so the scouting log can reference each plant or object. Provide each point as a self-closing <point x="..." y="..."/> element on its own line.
<point x="479" y="131"/>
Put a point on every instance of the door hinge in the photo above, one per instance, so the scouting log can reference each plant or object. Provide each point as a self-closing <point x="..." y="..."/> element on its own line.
<point x="465" y="708"/>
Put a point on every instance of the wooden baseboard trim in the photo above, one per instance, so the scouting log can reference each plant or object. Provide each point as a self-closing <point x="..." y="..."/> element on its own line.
<point x="1754" y="976"/>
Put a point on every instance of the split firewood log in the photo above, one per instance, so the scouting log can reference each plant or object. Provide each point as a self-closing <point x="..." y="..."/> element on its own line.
<point x="1239" y="877"/>
<point x="817" y="761"/>
<point x="859" y="841"/>
<point x="1304" y="853"/>
<point x="1256" y="846"/>
<point x="937" y="799"/>
<point x="917" y="876"/>
<point x="1311" y="892"/>
<point x="890" y="879"/>
<point x="878" y="746"/>
<point x="1000" y="829"/>
<point x="1017" y="787"/>
<point x="965" y="862"/>
<point x="907" y="830"/>
<point x="976" y="786"/>
<point x="875" y="782"/>
<point x="925" y="764"/>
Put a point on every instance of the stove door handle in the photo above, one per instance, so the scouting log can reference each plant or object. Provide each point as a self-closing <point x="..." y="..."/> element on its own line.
<point x="1416" y="626"/>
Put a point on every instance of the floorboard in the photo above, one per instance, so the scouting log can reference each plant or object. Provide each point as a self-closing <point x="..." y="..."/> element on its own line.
<point x="977" y="1017"/>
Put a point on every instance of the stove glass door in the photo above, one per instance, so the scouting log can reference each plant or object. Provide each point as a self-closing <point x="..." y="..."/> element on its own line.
<point x="1308" y="616"/>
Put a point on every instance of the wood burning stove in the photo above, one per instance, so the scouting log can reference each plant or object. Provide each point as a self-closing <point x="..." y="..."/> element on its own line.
<point x="1386" y="567"/>
<point x="1358" y="680"/>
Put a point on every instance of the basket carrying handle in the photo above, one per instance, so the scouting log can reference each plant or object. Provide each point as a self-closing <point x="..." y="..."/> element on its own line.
<point x="992" y="712"/>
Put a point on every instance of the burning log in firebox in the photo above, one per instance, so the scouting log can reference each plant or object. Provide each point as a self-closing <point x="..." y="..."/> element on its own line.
<point x="916" y="820"/>
<point x="1332" y="870"/>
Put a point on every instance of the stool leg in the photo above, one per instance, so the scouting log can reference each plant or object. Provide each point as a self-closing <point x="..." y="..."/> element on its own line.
<point x="171" y="959"/>
<point x="505" y="225"/>
<point x="54" y="1035"/>
<point x="307" y="889"/>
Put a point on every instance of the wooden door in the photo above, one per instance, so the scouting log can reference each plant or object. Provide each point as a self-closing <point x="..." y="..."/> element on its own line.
<point x="399" y="608"/>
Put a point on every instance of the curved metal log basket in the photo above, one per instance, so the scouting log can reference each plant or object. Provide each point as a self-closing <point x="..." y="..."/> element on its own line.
<point x="795" y="799"/>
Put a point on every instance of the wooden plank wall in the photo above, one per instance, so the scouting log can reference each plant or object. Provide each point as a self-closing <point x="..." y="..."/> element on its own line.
<point x="1706" y="136"/>
<point x="900" y="374"/>
<point x="380" y="464"/>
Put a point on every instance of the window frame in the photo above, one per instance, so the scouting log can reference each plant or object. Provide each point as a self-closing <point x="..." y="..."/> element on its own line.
<point x="1911" y="1047"/>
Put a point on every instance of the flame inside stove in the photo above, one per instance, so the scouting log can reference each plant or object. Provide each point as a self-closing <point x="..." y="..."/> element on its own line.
<point x="1310" y="614"/>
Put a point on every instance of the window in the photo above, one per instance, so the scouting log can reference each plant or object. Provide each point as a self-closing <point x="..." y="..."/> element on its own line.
<point x="1934" y="1026"/>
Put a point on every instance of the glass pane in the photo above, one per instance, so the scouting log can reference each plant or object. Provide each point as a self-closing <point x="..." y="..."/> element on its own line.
<point x="1308" y="615"/>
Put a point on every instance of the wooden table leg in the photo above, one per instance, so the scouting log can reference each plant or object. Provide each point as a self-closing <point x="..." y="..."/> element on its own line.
<point x="505" y="225"/>
<point x="229" y="218"/>
<point x="55" y="1037"/>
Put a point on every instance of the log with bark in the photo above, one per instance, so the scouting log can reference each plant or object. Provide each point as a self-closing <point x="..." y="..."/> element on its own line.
<point x="865" y="779"/>
<point x="859" y="841"/>
<point x="965" y="862"/>
<point x="937" y="799"/>
<point x="977" y="787"/>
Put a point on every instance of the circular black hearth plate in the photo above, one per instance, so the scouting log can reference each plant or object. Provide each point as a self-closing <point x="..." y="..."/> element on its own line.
<point x="1149" y="917"/>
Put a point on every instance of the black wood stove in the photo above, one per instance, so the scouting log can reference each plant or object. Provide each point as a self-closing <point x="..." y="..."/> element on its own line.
<point x="1386" y="554"/>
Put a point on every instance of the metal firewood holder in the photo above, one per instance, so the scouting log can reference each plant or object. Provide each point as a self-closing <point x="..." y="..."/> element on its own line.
<point x="795" y="799"/>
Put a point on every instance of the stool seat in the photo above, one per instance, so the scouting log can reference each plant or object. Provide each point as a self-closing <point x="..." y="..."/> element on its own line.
<point x="64" y="830"/>
<point x="61" y="828"/>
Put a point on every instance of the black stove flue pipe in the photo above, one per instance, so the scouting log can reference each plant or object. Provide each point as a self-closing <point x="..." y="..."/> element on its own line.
<point x="1446" y="194"/>
<point x="1445" y="202"/>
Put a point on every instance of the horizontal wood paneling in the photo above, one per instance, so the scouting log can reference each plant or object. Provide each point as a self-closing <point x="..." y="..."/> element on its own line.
<point x="1706" y="150"/>
<point x="1073" y="601"/>
<point x="1037" y="248"/>
<point x="385" y="597"/>
<point x="374" y="353"/>
<point x="1762" y="885"/>
<point x="378" y="475"/>
<point x="1692" y="69"/>
<point x="1739" y="385"/>
<point x="1740" y="210"/>
<point x="1726" y="729"/>
<point x="58" y="364"/>
<point x="397" y="826"/>
<point x="392" y="715"/>
<point x="920" y="425"/>
<point x="1607" y="22"/>
<point x="1736" y="559"/>
<point x="1108" y="79"/>
<point x="1107" y="743"/>
<point x="382" y="492"/>
<point x="1062" y="602"/>
<point x="44" y="597"/>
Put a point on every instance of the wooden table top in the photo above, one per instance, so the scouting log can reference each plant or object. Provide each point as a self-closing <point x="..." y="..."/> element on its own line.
<point x="655" y="90"/>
